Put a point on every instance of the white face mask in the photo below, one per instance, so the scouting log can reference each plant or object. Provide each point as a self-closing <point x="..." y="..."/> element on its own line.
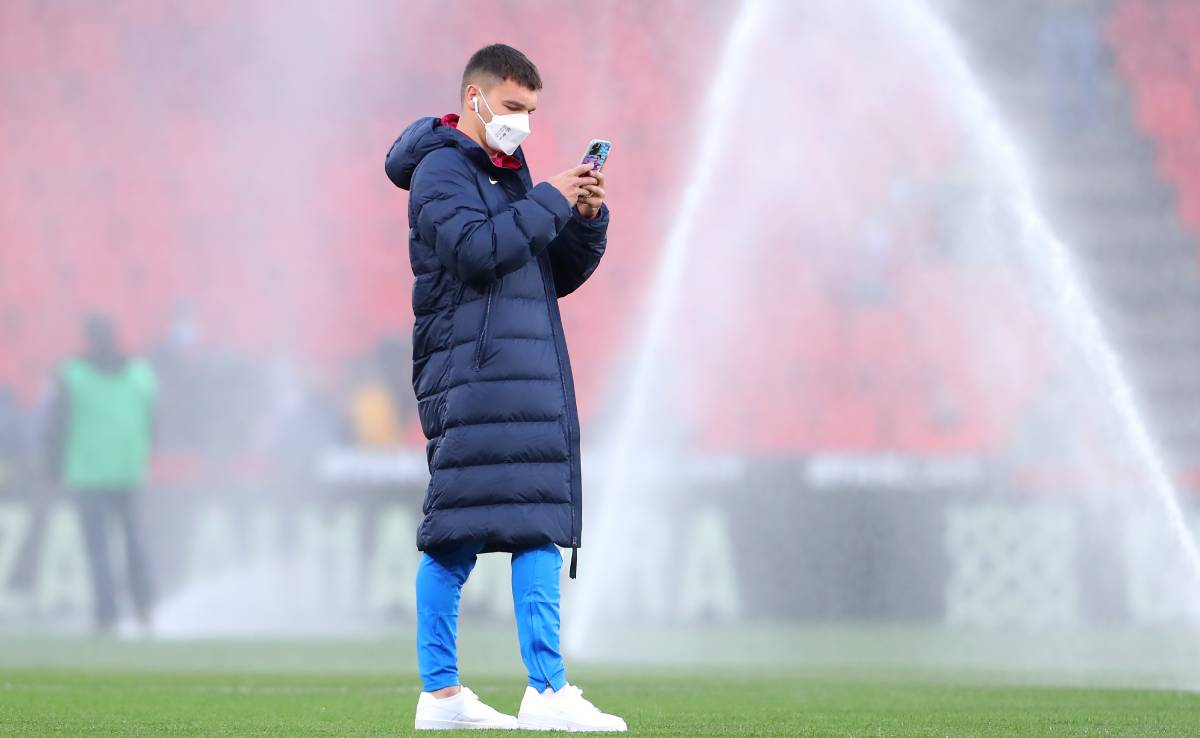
<point x="503" y="132"/>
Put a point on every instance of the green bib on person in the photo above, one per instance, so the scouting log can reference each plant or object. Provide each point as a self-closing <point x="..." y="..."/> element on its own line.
<point x="108" y="436"/>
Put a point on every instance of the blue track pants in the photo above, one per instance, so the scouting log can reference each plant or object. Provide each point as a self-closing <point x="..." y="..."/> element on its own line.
<point x="535" y="588"/>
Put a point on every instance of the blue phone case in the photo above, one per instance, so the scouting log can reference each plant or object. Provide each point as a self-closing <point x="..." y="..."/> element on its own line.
<point x="597" y="154"/>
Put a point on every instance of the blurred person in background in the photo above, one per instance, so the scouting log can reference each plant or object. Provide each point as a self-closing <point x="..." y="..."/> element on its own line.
<point x="295" y="422"/>
<point x="197" y="383"/>
<point x="11" y="426"/>
<point x="395" y="366"/>
<point x="99" y="439"/>
<point x="381" y="407"/>
<point x="1072" y="57"/>
<point x="492" y="254"/>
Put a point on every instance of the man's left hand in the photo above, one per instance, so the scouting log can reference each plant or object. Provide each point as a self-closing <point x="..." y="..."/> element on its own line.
<point x="589" y="206"/>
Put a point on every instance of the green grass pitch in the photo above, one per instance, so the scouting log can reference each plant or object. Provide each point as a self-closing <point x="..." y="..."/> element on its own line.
<point x="86" y="687"/>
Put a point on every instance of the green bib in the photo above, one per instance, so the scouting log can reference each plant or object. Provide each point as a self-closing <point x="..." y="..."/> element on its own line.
<point x="108" y="438"/>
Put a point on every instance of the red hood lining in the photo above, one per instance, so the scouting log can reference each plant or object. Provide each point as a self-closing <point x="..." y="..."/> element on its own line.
<point x="501" y="159"/>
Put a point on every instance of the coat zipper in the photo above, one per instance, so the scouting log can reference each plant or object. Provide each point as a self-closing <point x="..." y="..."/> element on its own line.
<point x="487" y="314"/>
<point x="552" y="309"/>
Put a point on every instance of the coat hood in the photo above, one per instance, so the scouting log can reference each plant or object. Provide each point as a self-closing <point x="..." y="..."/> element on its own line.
<point x="420" y="138"/>
<point x="426" y="135"/>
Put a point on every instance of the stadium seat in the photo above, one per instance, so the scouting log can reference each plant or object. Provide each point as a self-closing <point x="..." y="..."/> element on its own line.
<point x="1167" y="108"/>
<point x="1157" y="46"/>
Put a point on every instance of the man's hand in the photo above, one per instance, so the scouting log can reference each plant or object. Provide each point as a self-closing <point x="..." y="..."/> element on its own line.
<point x="589" y="205"/>
<point x="573" y="182"/>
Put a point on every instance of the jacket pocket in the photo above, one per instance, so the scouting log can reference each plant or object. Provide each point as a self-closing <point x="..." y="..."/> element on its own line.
<point x="432" y="414"/>
<point x="481" y="342"/>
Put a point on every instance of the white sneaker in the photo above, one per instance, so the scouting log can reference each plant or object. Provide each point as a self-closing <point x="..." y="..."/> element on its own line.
<point x="565" y="709"/>
<point x="463" y="710"/>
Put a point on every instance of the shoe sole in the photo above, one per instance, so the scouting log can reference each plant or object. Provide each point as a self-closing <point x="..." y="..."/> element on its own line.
<point x="545" y="723"/>
<point x="458" y="725"/>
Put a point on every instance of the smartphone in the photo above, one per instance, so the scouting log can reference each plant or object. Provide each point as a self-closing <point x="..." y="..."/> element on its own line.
<point x="597" y="153"/>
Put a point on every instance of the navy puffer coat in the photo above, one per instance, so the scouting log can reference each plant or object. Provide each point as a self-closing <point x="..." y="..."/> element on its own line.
<point x="492" y="253"/>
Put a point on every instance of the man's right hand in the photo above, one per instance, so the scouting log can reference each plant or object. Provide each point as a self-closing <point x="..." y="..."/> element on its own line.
<point x="573" y="182"/>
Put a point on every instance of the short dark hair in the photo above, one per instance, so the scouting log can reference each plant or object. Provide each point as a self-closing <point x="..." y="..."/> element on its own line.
<point x="100" y="331"/>
<point x="504" y="63"/>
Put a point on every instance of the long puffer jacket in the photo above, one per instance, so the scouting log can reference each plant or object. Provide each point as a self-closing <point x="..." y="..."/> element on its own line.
<point x="492" y="254"/>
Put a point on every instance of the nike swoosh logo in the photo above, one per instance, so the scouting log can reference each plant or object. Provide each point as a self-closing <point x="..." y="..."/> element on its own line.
<point x="493" y="181"/>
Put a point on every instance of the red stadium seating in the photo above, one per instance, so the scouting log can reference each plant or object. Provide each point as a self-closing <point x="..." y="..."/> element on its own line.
<point x="1157" y="45"/>
<point x="145" y="168"/>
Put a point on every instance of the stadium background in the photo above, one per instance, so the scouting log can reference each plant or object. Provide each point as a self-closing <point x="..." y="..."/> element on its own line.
<point x="210" y="174"/>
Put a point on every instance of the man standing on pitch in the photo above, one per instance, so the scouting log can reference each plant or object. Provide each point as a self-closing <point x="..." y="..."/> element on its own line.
<point x="100" y="433"/>
<point x="492" y="254"/>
